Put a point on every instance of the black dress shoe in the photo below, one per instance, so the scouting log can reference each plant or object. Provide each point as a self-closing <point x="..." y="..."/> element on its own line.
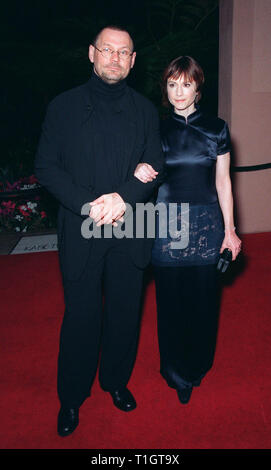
<point x="68" y="419"/>
<point x="123" y="399"/>
<point x="184" y="394"/>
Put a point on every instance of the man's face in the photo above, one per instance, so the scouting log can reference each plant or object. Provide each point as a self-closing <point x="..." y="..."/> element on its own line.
<point x="114" y="68"/>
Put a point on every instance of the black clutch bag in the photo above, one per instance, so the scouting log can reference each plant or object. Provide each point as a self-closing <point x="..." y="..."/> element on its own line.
<point x="224" y="261"/>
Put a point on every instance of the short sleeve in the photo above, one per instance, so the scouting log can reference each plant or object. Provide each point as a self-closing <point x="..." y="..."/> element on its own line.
<point x="224" y="140"/>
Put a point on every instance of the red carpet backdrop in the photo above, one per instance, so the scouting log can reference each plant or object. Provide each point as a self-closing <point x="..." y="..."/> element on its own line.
<point x="231" y="409"/>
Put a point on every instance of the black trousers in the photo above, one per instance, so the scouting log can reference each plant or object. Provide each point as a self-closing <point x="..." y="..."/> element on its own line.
<point x="187" y="308"/>
<point x="94" y="329"/>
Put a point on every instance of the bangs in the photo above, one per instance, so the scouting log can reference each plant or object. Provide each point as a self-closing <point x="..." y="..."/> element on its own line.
<point x="188" y="77"/>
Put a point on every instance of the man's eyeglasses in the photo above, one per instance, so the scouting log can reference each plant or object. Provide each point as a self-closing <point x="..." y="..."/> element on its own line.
<point x="107" y="52"/>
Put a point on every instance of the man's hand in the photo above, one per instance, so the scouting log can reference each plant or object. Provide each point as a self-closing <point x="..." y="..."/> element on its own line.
<point x="145" y="172"/>
<point x="107" y="209"/>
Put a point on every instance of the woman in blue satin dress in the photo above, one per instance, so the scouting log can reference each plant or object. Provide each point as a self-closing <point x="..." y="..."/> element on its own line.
<point x="197" y="160"/>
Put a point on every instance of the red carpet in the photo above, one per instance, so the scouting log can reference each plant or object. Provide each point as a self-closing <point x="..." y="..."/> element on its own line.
<point x="231" y="409"/>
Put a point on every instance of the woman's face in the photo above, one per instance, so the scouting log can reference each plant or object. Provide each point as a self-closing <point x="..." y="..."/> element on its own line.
<point x="182" y="94"/>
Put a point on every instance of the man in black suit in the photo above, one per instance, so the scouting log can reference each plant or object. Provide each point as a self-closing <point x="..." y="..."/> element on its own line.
<point x="93" y="138"/>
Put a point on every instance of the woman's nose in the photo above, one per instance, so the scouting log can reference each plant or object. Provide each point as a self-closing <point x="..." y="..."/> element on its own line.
<point x="179" y="91"/>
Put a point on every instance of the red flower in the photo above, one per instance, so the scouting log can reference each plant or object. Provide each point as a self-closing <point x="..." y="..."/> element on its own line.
<point x="24" y="212"/>
<point x="32" y="179"/>
<point x="9" y="204"/>
<point x="11" y="187"/>
<point x="43" y="214"/>
<point x="8" y="207"/>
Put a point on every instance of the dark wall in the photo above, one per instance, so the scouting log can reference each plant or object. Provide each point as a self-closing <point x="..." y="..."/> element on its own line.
<point x="44" y="47"/>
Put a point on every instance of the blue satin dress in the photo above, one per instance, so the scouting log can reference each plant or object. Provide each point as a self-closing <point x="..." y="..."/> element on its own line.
<point x="191" y="149"/>
<point x="186" y="278"/>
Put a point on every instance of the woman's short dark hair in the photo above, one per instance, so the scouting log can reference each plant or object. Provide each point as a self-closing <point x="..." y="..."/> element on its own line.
<point x="183" y="65"/>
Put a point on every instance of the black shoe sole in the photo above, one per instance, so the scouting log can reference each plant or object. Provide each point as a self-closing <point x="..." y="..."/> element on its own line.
<point x="64" y="434"/>
<point x="184" y="399"/>
<point x="124" y="409"/>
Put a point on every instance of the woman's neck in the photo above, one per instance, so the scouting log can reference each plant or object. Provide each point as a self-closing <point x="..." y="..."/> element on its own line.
<point x="186" y="112"/>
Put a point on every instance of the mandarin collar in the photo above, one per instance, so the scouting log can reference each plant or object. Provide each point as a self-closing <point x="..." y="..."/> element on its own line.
<point x="190" y="118"/>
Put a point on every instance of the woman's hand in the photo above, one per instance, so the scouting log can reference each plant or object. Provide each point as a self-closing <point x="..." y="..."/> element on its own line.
<point x="145" y="172"/>
<point x="232" y="242"/>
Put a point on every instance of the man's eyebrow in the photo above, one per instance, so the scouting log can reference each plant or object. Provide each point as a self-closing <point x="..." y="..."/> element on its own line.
<point x="110" y="45"/>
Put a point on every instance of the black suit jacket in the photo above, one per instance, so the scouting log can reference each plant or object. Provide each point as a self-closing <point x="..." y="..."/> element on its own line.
<point x="63" y="167"/>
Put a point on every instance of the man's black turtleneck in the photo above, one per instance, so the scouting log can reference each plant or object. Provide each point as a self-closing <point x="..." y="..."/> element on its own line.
<point x="103" y="90"/>
<point x="110" y="131"/>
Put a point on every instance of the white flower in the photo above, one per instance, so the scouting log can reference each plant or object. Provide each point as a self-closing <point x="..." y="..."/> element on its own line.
<point x="32" y="205"/>
<point x="17" y="229"/>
